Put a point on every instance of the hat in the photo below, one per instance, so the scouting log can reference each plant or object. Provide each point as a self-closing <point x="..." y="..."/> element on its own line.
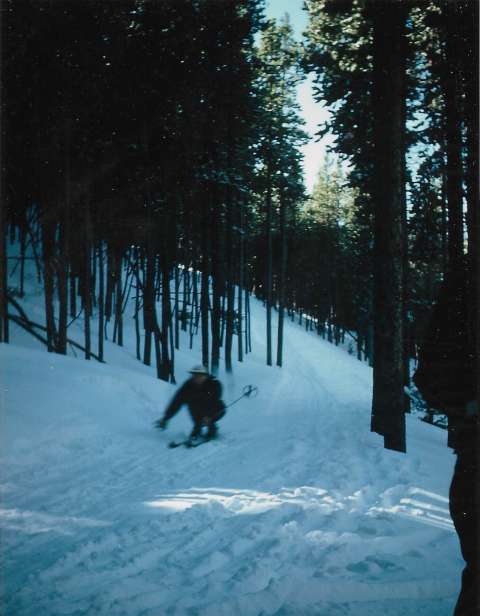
<point x="199" y="369"/>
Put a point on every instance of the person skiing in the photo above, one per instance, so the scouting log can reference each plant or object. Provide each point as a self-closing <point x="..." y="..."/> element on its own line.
<point x="202" y="393"/>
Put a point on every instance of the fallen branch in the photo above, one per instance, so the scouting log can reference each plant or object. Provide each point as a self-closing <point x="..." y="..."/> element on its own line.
<point x="28" y="325"/>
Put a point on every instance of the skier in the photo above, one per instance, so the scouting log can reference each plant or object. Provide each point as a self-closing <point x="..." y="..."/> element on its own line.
<point x="447" y="379"/>
<point x="202" y="394"/>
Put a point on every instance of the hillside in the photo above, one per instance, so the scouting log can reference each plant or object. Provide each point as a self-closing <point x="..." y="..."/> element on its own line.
<point x="296" y="510"/>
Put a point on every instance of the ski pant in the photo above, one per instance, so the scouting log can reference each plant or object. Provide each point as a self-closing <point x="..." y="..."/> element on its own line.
<point x="465" y="518"/>
<point x="206" y="420"/>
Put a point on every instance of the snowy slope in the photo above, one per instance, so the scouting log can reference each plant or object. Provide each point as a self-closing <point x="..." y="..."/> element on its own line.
<point x="296" y="510"/>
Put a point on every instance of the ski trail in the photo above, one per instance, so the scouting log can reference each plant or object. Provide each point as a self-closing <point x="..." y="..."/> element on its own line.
<point x="295" y="500"/>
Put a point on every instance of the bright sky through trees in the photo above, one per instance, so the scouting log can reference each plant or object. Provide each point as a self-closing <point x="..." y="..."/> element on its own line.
<point x="313" y="113"/>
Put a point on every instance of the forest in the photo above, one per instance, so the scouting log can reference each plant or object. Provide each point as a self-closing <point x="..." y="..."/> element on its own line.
<point x="151" y="158"/>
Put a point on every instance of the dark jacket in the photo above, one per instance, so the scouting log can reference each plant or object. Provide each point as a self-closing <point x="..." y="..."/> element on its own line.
<point x="203" y="401"/>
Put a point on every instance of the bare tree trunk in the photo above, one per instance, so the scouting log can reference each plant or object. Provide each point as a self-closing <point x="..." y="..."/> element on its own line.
<point x="177" y="306"/>
<point x="87" y="288"/>
<point x="186" y="296"/>
<point x="217" y="286"/>
<point x="64" y="257"/>
<point x="248" y="332"/>
<point x="241" y="281"/>
<point x="193" y="318"/>
<point x="469" y="19"/>
<point x="269" y="268"/>
<point x="454" y="169"/>
<point x="101" y="300"/>
<point x="118" y="327"/>
<point x="48" y="235"/>
<point x="204" y="303"/>
<point x="283" y="278"/>
<point x="137" y="305"/>
<point x="4" y="331"/>
<point x="23" y="248"/>
<point x="165" y="369"/>
<point x="388" y="409"/>
<point x="149" y="318"/>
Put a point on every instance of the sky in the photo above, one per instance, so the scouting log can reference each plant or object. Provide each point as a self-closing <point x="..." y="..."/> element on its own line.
<point x="313" y="113"/>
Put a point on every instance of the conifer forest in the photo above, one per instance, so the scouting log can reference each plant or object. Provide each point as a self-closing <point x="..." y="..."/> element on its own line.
<point x="151" y="169"/>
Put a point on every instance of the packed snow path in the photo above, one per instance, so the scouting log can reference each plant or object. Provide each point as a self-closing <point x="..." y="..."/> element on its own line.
<point x="296" y="510"/>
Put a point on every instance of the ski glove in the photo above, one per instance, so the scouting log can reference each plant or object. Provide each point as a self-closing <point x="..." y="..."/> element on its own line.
<point x="161" y="423"/>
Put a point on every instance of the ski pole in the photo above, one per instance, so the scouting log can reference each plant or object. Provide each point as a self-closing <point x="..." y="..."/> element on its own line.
<point x="249" y="391"/>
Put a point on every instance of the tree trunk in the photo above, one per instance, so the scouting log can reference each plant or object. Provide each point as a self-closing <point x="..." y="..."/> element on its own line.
<point x="205" y="286"/>
<point x="194" y="315"/>
<point x="23" y="248"/>
<point x="388" y="418"/>
<point x="177" y="307"/>
<point x="64" y="259"/>
<point x="241" y="280"/>
<point x="470" y="51"/>
<point x="230" y="309"/>
<point x="282" y="280"/>
<point x="118" y="327"/>
<point x="48" y="238"/>
<point x="453" y="106"/>
<point x="101" y="300"/>
<point x="217" y="282"/>
<point x="186" y="296"/>
<point x="4" y="331"/>
<point x="268" y="273"/>
<point x="248" y="332"/>
<point x="87" y="287"/>
<point x="165" y="368"/>
<point x="149" y="314"/>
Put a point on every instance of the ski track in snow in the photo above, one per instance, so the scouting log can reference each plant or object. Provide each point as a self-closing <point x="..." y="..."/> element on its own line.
<point x="296" y="510"/>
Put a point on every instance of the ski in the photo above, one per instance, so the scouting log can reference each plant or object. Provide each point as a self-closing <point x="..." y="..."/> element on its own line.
<point x="188" y="443"/>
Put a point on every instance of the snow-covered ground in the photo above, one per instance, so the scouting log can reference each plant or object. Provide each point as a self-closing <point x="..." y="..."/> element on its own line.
<point x="297" y="510"/>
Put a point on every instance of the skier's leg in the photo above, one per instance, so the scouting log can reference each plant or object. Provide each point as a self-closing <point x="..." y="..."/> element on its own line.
<point x="196" y="430"/>
<point x="212" y="430"/>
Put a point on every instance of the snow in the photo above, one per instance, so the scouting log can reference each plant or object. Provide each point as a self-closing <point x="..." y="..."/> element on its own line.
<point x="296" y="510"/>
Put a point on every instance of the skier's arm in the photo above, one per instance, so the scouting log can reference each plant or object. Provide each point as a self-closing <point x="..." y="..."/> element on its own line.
<point x="175" y="404"/>
<point x="178" y="399"/>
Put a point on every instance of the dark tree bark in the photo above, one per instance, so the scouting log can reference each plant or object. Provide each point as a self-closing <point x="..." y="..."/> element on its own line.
<point x="62" y="277"/>
<point x="165" y="368"/>
<point x="48" y="238"/>
<point x="23" y="248"/>
<point x="282" y="278"/>
<point x="73" y="293"/>
<point x="204" y="292"/>
<point x="388" y="418"/>
<point x="453" y="127"/>
<point x="241" y="284"/>
<point x="230" y="286"/>
<point x="64" y="257"/>
<point x="176" y="308"/>
<point x="87" y="286"/>
<point x="195" y="311"/>
<point x="186" y="304"/>
<point x="110" y="286"/>
<point x="4" y="333"/>
<point x="136" y="316"/>
<point x="217" y="282"/>
<point x="118" y="327"/>
<point x="149" y="314"/>
<point x="101" y="300"/>
<point x="470" y="53"/>
<point x="269" y="265"/>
